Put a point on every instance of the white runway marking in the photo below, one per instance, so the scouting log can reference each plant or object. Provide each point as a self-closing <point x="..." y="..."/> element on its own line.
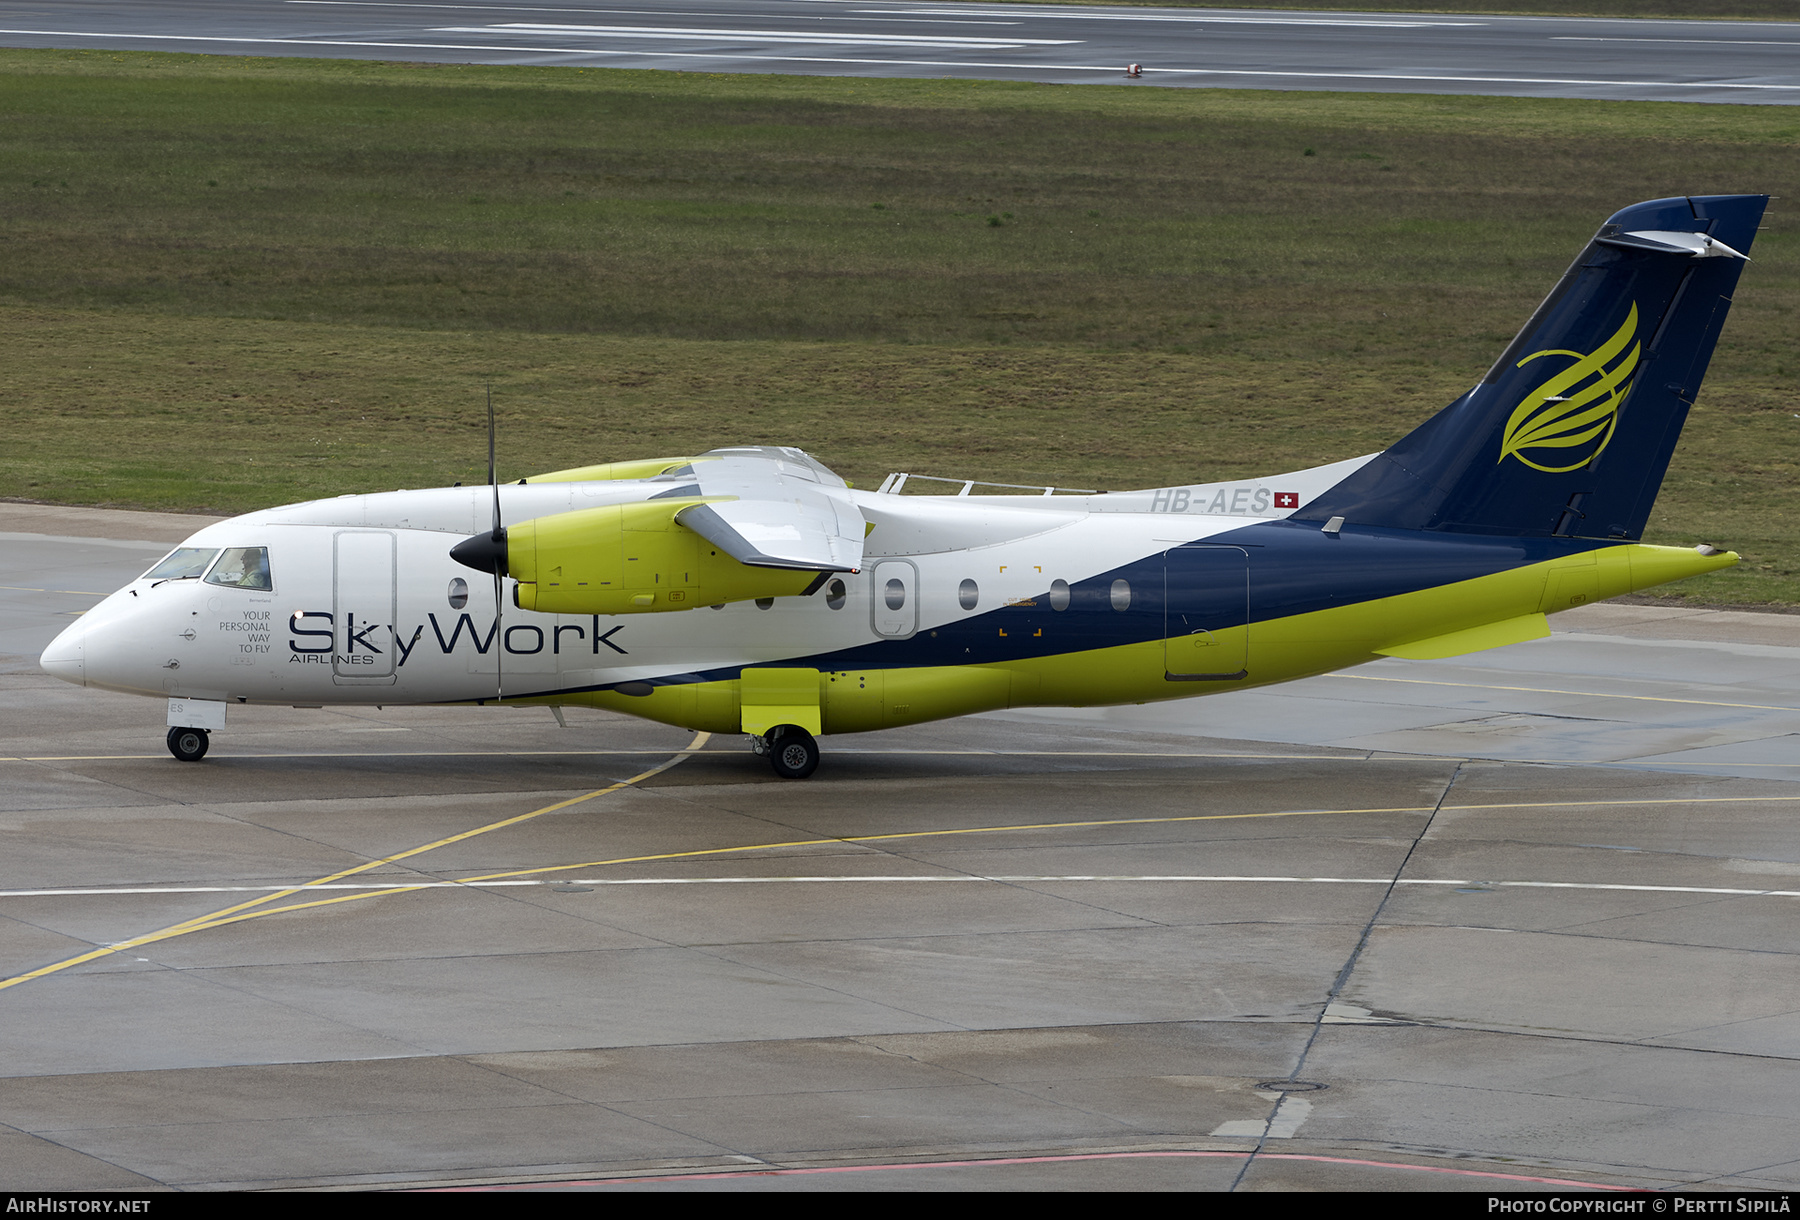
<point x="614" y="12"/>
<point x="919" y="41"/>
<point x="1474" y="886"/>
<point x="1290" y="1112"/>
<point x="988" y="14"/>
<point x="1110" y="69"/>
<point x="1710" y="42"/>
<point x="1209" y="19"/>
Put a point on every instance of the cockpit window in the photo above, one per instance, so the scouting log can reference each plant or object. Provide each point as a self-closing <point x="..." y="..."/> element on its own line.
<point x="241" y="567"/>
<point x="185" y="563"/>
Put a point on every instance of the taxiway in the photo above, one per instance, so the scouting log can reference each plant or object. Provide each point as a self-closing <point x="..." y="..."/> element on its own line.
<point x="1523" y="917"/>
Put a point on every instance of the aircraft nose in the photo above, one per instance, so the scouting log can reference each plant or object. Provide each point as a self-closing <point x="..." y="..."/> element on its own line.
<point x="66" y="657"/>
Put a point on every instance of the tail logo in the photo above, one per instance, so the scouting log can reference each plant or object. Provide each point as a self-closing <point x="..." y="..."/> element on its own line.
<point x="1575" y="408"/>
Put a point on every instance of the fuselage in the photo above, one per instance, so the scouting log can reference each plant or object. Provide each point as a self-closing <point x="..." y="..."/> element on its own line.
<point x="963" y="604"/>
<point x="751" y="588"/>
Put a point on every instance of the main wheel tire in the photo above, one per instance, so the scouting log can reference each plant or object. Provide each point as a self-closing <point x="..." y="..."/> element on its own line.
<point x="792" y="752"/>
<point x="189" y="745"/>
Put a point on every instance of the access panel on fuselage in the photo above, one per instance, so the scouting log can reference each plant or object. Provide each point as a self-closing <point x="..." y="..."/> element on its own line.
<point x="362" y="607"/>
<point x="1206" y="613"/>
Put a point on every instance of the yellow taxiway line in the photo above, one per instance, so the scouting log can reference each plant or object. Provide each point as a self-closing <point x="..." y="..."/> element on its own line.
<point x="376" y="889"/>
<point x="243" y="911"/>
<point x="256" y="908"/>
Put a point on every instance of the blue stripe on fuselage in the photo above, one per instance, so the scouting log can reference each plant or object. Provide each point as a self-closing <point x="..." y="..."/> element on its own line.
<point x="1294" y="569"/>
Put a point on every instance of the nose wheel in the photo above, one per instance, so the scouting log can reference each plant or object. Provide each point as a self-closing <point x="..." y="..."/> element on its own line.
<point x="791" y="751"/>
<point x="189" y="745"/>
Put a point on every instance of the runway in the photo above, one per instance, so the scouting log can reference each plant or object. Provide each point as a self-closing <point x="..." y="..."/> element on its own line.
<point x="1502" y="922"/>
<point x="1654" y="60"/>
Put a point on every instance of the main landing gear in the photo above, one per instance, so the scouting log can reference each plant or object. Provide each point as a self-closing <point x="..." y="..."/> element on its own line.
<point x="790" y="749"/>
<point x="189" y="745"/>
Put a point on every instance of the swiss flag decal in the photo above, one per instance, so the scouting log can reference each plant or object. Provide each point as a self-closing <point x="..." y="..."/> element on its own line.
<point x="1287" y="499"/>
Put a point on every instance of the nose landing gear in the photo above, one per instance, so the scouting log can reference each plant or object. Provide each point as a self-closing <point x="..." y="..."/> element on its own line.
<point x="790" y="749"/>
<point x="189" y="745"/>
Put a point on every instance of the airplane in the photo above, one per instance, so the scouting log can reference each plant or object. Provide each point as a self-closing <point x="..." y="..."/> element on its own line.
<point x="752" y="590"/>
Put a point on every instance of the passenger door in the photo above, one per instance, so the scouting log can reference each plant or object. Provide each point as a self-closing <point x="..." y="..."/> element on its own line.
<point x="1206" y="613"/>
<point x="362" y="607"/>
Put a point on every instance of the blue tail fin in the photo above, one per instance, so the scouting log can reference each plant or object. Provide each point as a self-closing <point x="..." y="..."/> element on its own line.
<point x="1571" y="430"/>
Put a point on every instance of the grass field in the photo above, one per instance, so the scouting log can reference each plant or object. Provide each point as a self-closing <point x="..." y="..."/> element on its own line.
<point x="226" y="283"/>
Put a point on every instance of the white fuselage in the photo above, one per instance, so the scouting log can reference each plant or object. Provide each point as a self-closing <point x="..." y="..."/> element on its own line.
<point x="365" y="604"/>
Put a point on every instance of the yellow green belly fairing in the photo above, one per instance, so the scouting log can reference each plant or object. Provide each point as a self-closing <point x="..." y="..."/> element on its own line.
<point x="1279" y="650"/>
<point x="854" y="701"/>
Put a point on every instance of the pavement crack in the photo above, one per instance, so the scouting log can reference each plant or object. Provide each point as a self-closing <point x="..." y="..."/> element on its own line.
<point x="1343" y="975"/>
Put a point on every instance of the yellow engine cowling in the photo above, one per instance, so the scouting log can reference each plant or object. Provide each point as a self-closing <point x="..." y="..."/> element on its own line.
<point x="644" y="468"/>
<point x="632" y="559"/>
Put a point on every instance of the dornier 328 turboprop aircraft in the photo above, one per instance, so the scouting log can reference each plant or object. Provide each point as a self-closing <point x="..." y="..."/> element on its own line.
<point x="751" y="590"/>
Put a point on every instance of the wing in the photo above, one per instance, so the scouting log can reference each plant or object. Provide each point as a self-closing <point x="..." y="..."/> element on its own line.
<point x="788" y="512"/>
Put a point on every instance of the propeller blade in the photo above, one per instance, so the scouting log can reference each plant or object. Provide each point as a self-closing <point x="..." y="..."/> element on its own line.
<point x="495" y="554"/>
<point x="493" y="477"/>
<point x="500" y="634"/>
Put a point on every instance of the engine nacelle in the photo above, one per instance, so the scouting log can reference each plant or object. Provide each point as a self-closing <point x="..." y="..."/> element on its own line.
<point x="644" y="468"/>
<point x="633" y="559"/>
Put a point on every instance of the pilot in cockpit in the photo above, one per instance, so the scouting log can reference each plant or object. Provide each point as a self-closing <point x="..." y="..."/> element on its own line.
<point x="242" y="567"/>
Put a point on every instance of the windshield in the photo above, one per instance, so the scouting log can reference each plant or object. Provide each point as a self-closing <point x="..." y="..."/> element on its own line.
<point x="241" y="567"/>
<point x="184" y="563"/>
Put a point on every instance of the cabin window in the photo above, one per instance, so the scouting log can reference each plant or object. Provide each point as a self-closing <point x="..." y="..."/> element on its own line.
<point x="894" y="594"/>
<point x="1059" y="595"/>
<point x="184" y="563"/>
<point x="763" y="603"/>
<point x="835" y="593"/>
<point x="459" y="593"/>
<point x="967" y="595"/>
<point x="242" y="567"/>
<point x="1121" y="595"/>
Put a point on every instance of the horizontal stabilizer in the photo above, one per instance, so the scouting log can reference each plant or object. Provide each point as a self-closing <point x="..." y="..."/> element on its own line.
<point x="1670" y="241"/>
<point x="1474" y="639"/>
